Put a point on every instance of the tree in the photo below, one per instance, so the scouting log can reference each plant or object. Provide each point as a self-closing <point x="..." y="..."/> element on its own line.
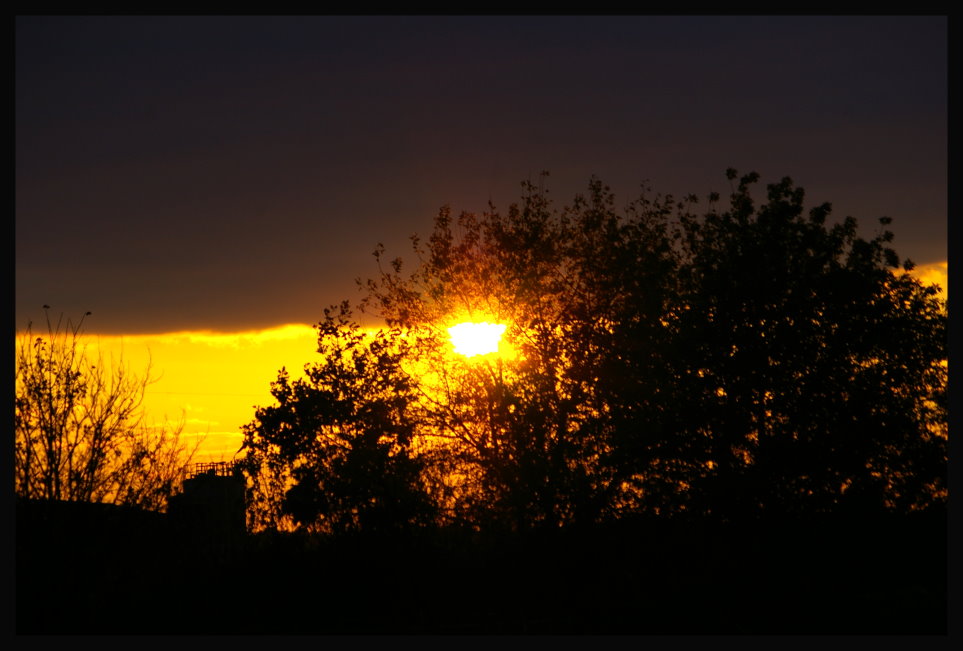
<point x="816" y="363"/>
<point x="739" y="361"/>
<point x="334" y="453"/>
<point x="80" y="428"/>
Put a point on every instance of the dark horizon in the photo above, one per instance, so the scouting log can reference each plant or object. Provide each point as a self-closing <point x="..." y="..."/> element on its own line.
<point x="855" y="577"/>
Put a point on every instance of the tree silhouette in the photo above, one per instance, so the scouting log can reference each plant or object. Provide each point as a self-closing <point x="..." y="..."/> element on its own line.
<point x="742" y="360"/>
<point x="334" y="453"/>
<point x="817" y="365"/>
<point x="80" y="433"/>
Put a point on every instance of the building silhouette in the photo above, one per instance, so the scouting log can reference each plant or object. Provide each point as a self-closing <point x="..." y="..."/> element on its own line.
<point x="211" y="505"/>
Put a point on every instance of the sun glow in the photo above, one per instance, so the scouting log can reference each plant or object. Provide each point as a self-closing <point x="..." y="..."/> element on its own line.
<point x="470" y="339"/>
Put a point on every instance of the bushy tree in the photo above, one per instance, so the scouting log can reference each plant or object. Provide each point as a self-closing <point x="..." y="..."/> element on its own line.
<point x="739" y="360"/>
<point x="334" y="453"/>
<point x="80" y="430"/>
<point x="816" y="362"/>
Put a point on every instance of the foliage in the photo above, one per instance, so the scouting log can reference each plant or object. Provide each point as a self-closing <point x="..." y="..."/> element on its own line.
<point x="80" y="428"/>
<point x="334" y="453"/>
<point x="818" y="363"/>
<point x="748" y="359"/>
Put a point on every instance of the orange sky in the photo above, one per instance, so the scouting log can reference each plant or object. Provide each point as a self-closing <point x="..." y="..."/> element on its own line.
<point x="212" y="379"/>
<point x="934" y="273"/>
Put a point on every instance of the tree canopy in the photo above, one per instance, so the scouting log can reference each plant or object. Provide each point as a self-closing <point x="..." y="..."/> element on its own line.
<point x="714" y="358"/>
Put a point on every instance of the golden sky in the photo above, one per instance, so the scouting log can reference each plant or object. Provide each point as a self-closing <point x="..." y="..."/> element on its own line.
<point x="211" y="380"/>
<point x="934" y="273"/>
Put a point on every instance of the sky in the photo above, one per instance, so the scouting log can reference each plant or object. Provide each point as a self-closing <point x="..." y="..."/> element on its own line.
<point x="226" y="173"/>
<point x="231" y="174"/>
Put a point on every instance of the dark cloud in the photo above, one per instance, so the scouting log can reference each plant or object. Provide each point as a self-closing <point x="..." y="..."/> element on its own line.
<point x="234" y="172"/>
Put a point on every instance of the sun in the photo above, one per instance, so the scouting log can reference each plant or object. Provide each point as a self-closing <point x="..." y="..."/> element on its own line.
<point x="470" y="339"/>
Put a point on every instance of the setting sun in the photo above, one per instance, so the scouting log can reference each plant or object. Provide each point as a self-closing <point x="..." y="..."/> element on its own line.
<point x="471" y="339"/>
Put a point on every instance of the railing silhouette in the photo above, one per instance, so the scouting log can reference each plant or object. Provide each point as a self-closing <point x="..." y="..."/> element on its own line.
<point x="212" y="468"/>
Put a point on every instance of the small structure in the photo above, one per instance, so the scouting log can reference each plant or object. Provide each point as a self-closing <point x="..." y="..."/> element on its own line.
<point x="212" y="502"/>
